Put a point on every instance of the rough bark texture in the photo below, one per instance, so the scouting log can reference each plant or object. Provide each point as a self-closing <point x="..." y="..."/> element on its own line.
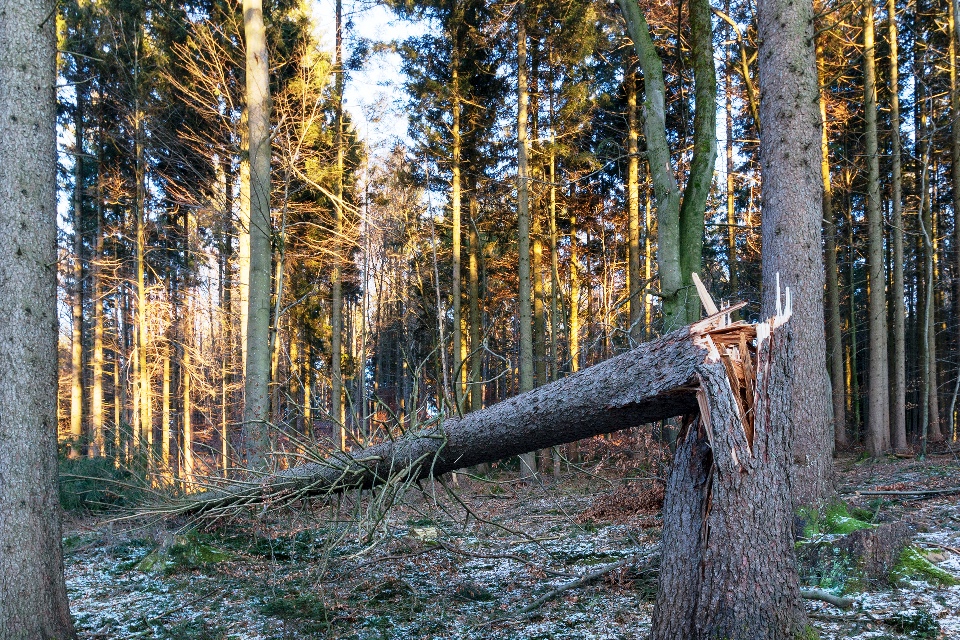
<point x="728" y="513"/>
<point x="878" y="431"/>
<point x="33" y="598"/>
<point x="256" y="403"/>
<point x="792" y="210"/>
<point x="898" y="409"/>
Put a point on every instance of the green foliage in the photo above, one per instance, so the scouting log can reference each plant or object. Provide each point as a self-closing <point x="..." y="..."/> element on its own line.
<point x="917" y="624"/>
<point x="913" y="565"/>
<point x="96" y="484"/>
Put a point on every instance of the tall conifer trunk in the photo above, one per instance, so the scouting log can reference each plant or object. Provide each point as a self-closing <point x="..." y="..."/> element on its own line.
<point x="878" y="430"/>
<point x="33" y="597"/>
<point x="791" y="226"/>
<point x="528" y="460"/>
<point x="898" y="418"/>
<point x="834" y="332"/>
<point x="256" y="402"/>
<point x="336" y="302"/>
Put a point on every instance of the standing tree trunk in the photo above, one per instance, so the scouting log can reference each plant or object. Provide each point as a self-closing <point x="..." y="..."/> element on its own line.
<point x="633" y="209"/>
<point x="96" y="399"/>
<point x="455" y="275"/>
<point x="256" y="401"/>
<point x="33" y="597"/>
<point x="955" y="169"/>
<point x="898" y="417"/>
<point x="834" y="333"/>
<point x="336" y="295"/>
<point x="76" y="347"/>
<point x="878" y="431"/>
<point x="679" y="225"/>
<point x="792" y="211"/>
<point x="528" y="462"/>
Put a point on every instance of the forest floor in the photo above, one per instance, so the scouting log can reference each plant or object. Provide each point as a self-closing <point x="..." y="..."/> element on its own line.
<point x="440" y="565"/>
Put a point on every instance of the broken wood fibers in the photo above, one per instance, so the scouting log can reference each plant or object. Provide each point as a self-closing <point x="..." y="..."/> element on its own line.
<point x="731" y="343"/>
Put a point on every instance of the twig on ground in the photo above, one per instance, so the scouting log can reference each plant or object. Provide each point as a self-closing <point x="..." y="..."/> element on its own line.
<point x="917" y="492"/>
<point x="826" y="596"/>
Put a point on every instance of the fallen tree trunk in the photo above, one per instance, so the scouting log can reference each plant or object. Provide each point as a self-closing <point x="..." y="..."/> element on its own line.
<point x="652" y="382"/>
<point x="729" y="565"/>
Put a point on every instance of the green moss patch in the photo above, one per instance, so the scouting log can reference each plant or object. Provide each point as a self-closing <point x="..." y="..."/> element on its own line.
<point x="916" y="624"/>
<point x="184" y="554"/>
<point x="913" y="565"/>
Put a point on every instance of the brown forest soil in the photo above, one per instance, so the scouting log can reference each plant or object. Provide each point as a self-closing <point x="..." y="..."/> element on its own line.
<point x="443" y="567"/>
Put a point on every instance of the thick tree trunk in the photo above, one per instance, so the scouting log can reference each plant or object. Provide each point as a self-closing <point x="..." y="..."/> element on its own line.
<point x="728" y="513"/>
<point x="33" y="598"/>
<point x="792" y="213"/>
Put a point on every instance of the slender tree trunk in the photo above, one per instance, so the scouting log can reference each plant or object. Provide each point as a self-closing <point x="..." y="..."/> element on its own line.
<point x="792" y="212"/>
<point x="96" y="399"/>
<point x="877" y="428"/>
<point x="574" y="322"/>
<point x="76" y="351"/>
<point x="730" y="191"/>
<point x="243" y="239"/>
<point x="955" y="174"/>
<point x="633" y="209"/>
<point x="834" y="333"/>
<point x="33" y="597"/>
<point x="476" y="358"/>
<point x="165" y="412"/>
<point x="186" y="367"/>
<point x="459" y="371"/>
<point x="336" y="302"/>
<point x="898" y="417"/>
<point x="529" y="460"/>
<point x="256" y="402"/>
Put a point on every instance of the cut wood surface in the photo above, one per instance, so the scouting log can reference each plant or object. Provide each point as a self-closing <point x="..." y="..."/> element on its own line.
<point x="655" y="381"/>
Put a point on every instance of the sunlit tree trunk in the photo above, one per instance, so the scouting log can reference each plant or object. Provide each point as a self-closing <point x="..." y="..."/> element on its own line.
<point x="633" y="209"/>
<point x="336" y="303"/>
<point x="834" y="333"/>
<point x="76" y="351"/>
<point x="256" y="402"/>
<point x="529" y="460"/>
<point x="96" y="285"/>
<point x="476" y="359"/>
<point x="459" y="371"/>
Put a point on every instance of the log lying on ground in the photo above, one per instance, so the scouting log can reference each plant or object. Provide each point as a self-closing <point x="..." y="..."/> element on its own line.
<point x="652" y="382"/>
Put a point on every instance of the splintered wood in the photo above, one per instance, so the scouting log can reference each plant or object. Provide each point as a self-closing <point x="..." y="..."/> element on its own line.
<point x="734" y="345"/>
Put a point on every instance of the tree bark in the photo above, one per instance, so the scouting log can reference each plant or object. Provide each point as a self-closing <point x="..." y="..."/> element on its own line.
<point x="791" y="227"/>
<point x="338" y="414"/>
<point x="256" y="402"/>
<point x="633" y="209"/>
<point x="528" y="463"/>
<point x="33" y="597"/>
<point x="878" y="431"/>
<point x="728" y="513"/>
<point x="834" y="333"/>
<point x="898" y="414"/>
